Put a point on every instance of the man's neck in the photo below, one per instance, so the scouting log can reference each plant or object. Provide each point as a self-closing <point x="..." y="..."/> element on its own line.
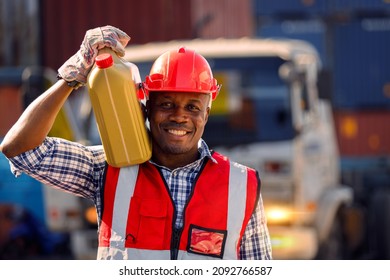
<point x="173" y="161"/>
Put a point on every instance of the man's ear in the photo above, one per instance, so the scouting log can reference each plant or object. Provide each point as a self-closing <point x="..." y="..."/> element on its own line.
<point x="206" y="118"/>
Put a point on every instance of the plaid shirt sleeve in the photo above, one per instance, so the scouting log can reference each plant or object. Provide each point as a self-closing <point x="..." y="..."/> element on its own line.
<point x="256" y="242"/>
<point x="64" y="165"/>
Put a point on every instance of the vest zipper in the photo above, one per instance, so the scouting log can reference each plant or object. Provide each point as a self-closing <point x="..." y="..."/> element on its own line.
<point x="175" y="242"/>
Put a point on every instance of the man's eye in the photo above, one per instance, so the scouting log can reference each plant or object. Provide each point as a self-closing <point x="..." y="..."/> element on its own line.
<point x="193" y="108"/>
<point x="166" y="105"/>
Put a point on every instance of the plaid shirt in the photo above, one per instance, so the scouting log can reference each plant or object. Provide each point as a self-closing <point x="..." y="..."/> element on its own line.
<point x="79" y="169"/>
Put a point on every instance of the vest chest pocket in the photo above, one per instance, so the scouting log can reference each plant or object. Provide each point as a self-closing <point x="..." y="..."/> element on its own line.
<point x="147" y="224"/>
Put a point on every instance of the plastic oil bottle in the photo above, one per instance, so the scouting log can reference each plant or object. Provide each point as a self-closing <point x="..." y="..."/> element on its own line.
<point x="117" y="110"/>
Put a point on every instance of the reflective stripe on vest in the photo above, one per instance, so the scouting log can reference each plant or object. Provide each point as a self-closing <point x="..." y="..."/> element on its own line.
<point x="238" y="214"/>
<point x="125" y="189"/>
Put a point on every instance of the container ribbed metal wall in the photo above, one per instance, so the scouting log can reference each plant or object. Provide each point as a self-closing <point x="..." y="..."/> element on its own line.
<point x="64" y="23"/>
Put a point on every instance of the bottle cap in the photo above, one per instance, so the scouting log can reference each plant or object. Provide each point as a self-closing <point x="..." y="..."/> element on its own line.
<point x="104" y="60"/>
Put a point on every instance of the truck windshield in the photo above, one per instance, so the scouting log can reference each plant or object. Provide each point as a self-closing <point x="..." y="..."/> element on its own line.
<point x="253" y="104"/>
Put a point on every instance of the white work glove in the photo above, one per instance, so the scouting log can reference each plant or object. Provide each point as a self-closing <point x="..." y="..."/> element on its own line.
<point x="75" y="70"/>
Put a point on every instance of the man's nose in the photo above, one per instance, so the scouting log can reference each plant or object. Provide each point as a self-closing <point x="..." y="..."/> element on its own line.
<point x="179" y="114"/>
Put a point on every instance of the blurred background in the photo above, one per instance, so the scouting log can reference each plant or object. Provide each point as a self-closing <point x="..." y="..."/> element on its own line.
<point x="352" y="40"/>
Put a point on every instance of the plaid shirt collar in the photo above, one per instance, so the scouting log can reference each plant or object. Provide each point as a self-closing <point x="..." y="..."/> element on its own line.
<point x="204" y="152"/>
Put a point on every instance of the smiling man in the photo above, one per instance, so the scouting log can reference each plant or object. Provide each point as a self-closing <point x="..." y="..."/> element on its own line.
<point x="187" y="202"/>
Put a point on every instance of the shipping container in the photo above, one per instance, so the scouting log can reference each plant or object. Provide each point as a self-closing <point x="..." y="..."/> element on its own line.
<point x="354" y="51"/>
<point x="222" y="18"/>
<point x="312" y="30"/>
<point x="361" y="63"/>
<point x="363" y="133"/>
<point x="289" y="8"/>
<point x="302" y="8"/>
<point x="358" y="6"/>
<point x="64" y="23"/>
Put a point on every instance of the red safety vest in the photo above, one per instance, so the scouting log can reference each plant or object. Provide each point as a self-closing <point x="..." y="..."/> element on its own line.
<point x="138" y="213"/>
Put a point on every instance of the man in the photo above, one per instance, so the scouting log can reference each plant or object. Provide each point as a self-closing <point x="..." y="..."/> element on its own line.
<point x="187" y="202"/>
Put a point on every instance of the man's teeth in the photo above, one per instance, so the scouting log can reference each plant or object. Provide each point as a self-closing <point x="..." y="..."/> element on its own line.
<point x="177" y="132"/>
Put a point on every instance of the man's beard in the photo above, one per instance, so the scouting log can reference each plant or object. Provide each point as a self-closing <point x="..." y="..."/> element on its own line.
<point x="173" y="149"/>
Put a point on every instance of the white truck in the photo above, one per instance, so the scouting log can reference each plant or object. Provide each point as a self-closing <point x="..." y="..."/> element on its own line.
<point x="269" y="116"/>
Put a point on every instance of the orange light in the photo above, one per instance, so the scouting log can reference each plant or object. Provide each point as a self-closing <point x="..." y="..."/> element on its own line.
<point x="386" y="87"/>
<point x="91" y="215"/>
<point x="349" y="127"/>
<point x="311" y="206"/>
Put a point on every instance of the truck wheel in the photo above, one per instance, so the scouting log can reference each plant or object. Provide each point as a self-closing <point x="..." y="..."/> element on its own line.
<point x="379" y="224"/>
<point x="334" y="247"/>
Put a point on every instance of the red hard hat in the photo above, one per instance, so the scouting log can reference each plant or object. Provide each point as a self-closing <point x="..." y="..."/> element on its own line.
<point x="181" y="70"/>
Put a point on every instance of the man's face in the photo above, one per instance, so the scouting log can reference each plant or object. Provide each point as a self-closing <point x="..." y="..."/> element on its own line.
<point x="177" y="121"/>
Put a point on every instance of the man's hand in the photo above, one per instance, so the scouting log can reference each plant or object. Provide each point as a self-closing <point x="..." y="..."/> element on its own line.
<point x="77" y="67"/>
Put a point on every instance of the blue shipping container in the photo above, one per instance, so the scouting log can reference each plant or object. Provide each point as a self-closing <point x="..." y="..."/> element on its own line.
<point x="361" y="64"/>
<point x="351" y="6"/>
<point x="283" y="7"/>
<point x="356" y="52"/>
<point x="318" y="7"/>
<point x="312" y="30"/>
